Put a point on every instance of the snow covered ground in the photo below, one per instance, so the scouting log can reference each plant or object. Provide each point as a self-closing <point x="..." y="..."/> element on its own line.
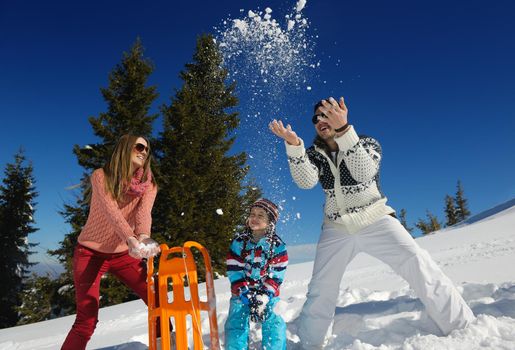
<point x="376" y="309"/>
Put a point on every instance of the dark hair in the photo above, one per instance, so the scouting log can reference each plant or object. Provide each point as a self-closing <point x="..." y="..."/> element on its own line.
<point x="320" y="143"/>
<point x="318" y="104"/>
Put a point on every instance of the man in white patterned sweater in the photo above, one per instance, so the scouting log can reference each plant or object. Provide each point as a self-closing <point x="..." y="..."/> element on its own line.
<point x="357" y="219"/>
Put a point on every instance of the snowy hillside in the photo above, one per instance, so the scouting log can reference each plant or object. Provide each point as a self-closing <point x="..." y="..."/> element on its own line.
<point x="376" y="310"/>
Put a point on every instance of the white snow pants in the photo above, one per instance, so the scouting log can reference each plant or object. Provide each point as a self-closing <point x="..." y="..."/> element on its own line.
<point x="387" y="240"/>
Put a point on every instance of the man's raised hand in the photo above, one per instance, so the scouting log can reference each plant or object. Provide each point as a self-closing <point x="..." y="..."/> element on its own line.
<point x="336" y="112"/>
<point x="286" y="133"/>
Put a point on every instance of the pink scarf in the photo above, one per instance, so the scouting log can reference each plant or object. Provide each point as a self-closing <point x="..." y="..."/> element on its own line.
<point x="137" y="188"/>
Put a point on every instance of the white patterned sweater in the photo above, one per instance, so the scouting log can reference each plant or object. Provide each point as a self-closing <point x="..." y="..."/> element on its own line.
<point x="357" y="200"/>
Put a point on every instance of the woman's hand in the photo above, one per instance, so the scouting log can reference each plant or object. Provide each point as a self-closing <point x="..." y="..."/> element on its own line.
<point x="134" y="249"/>
<point x="148" y="247"/>
<point x="286" y="133"/>
<point x="142" y="248"/>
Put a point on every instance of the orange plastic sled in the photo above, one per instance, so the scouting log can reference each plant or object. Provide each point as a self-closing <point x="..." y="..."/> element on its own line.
<point x="175" y="266"/>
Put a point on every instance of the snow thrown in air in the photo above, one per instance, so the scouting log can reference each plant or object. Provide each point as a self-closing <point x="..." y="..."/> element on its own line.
<point x="271" y="57"/>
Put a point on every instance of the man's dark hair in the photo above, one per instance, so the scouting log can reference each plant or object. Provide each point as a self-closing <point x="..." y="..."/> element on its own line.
<point x="318" y="104"/>
<point x="318" y="141"/>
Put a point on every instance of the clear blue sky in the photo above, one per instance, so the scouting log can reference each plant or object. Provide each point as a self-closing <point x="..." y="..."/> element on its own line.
<point x="434" y="82"/>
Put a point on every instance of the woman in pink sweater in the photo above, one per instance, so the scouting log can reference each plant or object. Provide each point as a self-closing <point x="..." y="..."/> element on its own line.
<point x="116" y="235"/>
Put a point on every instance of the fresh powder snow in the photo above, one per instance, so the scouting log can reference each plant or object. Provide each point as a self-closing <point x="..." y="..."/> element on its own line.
<point x="375" y="310"/>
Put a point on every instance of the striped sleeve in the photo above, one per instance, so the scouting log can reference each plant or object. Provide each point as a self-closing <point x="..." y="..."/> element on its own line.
<point x="236" y="267"/>
<point x="276" y="270"/>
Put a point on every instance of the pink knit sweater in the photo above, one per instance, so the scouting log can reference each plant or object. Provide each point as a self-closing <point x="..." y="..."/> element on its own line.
<point x="110" y="223"/>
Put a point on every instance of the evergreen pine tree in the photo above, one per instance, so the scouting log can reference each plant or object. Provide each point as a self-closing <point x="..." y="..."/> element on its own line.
<point x="202" y="194"/>
<point x="431" y="225"/>
<point x="462" y="211"/>
<point x="128" y="101"/>
<point x="450" y="211"/>
<point x="17" y="195"/>
<point x="402" y="219"/>
<point x="39" y="302"/>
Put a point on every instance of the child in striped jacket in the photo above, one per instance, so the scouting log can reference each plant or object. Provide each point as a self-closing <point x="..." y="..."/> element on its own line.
<point x="256" y="264"/>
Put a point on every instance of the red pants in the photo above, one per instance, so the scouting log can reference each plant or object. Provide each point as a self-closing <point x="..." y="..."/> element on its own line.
<point x="88" y="267"/>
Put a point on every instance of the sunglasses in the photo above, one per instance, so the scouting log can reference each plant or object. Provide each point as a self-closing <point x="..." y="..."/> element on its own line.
<point x="315" y="118"/>
<point x="140" y="147"/>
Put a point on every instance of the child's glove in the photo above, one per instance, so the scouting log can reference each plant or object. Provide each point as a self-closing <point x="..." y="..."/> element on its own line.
<point x="258" y="306"/>
<point x="247" y="296"/>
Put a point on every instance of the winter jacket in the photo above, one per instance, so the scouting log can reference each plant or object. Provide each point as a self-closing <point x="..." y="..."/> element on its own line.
<point x="352" y="194"/>
<point x="260" y="265"/>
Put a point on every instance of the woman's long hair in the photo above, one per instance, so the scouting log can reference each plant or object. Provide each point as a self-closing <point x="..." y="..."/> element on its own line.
<point x="119" y="169"/>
